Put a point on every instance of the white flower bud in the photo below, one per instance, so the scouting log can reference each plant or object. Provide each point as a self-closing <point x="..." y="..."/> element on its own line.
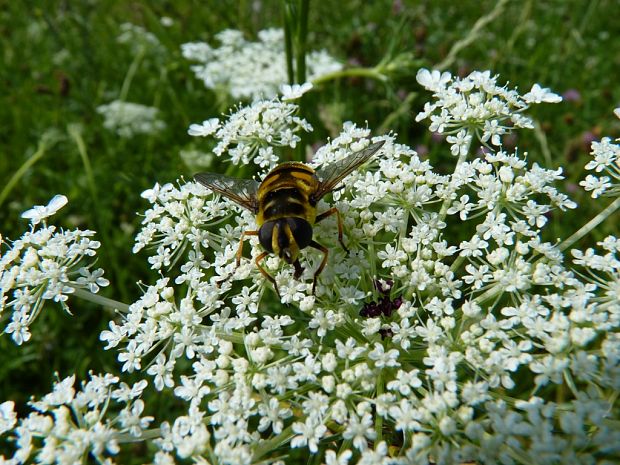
<point x="447" y="426"/>
<point x="343" y="391"/>
<point x="506" y="174"/>
<point x="168" y="293"/>
<point x="252" y="339"/>
<point x="328" y="383"/>
<point x="471" y="309"/>
<point x="223" y="361"/>
<point x="259" y="381"/>
<point x="261" y="355"/>
<point x="225" y="347"/>
<point x="329" y="362"/>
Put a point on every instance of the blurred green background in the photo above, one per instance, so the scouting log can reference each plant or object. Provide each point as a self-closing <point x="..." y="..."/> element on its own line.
<point x="61" y="60"/>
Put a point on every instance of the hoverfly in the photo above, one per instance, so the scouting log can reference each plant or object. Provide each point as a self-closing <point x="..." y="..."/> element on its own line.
<point x="285" y="206"/>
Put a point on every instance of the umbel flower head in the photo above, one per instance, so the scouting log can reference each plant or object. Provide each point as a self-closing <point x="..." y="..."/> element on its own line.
<point x="476" y="104"/>
<point x="252" y="133"/>
<point x="139" y="40"/>
<point x="606" y="159"/>
<point x="39" y="213"/>
<point x="128" y="119"/>
<point x="250" y="70"/>
<point x="453" y="330"/>
<point x="68" y="424"/>
<point x="45" y="264"/>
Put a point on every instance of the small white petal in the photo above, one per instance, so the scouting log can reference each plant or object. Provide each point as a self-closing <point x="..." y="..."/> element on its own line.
<point x="539" y="94"/>
<point x="206" y="128"/>
<point x="40" y="212"/>
<point x="295" y="91"/>
<point x="432" y="80"/>
<point x="57" y="202"/>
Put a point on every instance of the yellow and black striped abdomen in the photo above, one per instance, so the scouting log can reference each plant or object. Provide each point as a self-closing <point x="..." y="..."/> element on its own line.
<point x="286" y="192"/>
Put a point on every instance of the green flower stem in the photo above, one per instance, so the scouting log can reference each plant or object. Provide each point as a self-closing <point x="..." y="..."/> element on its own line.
<point x="372" y="73"/>
<point x="521" y="25"/>
<point x="274" y="443"/>
<point x="235" y="337"/>
<point x="544" y="144"/>
<point x="131" y="72"/>
<point x="41" y="150"/>
<point x="379" y="418"/>
<point x="346" y="444"/>
<point x="148" y="434"/>
<point x="473" y="35"/>
<point x="403" y="109"/>
<point x="570" y="382"/>
<point x="295" y="41"/>
<point x="100" y="300"/>
<point x="373" y="266"/>
<point x="593" y="223"/>
<point x="519" y="456"/>
<point x="288" y="42"/>
<point x="489" y="294"/>
<point x="613" y="397"/>
<point x="300" y="45"/>
<point x="457" y="263"/>
<point x="295" y="38"/>
<point x="75" y="133"/>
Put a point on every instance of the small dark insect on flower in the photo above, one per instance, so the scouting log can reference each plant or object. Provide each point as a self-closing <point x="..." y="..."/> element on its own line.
<point x="385" y="306"/>
<point x="386" y="333"/>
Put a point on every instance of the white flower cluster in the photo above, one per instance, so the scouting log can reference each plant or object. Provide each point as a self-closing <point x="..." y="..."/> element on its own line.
<point x="453" y="331"/>
<point x="447" y="333"/>
<point x="128" y="119"/>
<point x="476" y="104"/>
<point x="606" y="160"/>
<point x="139" y="39"/>
<point x="45" y="264"/>
<point x="600" y="296"/>
<point x="171" y="227"/>
<point x="251" y="132"/>
<point x="251" y="70"/>
<point x="67" y="426"/>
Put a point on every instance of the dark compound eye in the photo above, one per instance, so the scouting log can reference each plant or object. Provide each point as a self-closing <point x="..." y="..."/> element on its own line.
<point x="301" y="230"/>
<point x="264" y="235"/>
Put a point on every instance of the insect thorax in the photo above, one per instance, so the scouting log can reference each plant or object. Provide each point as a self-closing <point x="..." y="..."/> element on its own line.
<point x="286" y="192"/>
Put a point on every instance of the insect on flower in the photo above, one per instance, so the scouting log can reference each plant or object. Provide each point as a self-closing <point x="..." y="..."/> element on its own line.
<point x="285" y="206"/>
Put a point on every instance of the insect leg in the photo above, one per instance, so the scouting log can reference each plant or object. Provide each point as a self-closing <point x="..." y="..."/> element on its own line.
<point x="259" y="259"/>
<point x="334" y="211"/>
<point x="298" y="269"/>
<point x="239" y="253"/>
<point x="318" y="246"/>
<point x="244" y="234"/>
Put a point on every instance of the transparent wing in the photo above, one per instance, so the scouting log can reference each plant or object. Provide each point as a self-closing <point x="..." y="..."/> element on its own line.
<point x="330" y="175"/>
<point x="241" y="191"/>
